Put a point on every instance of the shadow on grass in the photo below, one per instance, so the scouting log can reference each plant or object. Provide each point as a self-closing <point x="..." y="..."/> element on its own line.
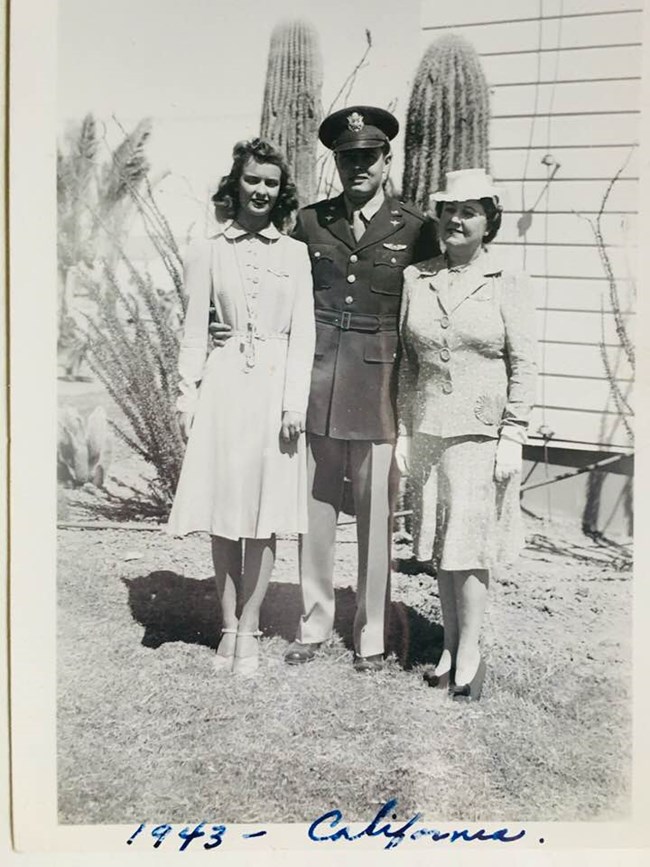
<point x="137" y="505"/>
<point x="413" y="566"/>
<point x="172" y="607"/>
<point x="596" y="549"/>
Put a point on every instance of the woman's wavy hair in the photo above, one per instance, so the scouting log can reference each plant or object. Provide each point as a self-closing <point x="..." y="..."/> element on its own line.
<point x="226" y="199"/>
<point x="493" y="211"/>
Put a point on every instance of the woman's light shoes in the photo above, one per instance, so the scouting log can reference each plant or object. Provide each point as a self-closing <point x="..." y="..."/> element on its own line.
<point x="222" y="662"/>
<point x="246" y="665"/>
<point x="233" y="660"/>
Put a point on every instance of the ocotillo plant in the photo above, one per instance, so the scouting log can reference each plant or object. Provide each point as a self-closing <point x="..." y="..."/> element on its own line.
<point x="133" y="348"/>
<point x="447" y="123"/>
<point x="291" y="111"/>
<point x="94" y="201"/>
<point x="133" y="351"/>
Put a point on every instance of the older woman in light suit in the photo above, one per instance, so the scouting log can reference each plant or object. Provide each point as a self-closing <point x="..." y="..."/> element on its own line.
<point x="466" y="389"/>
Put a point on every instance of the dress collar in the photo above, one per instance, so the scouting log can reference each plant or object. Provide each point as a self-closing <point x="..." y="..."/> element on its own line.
<point x="486" y="263"/>
<point x="232" y="230"/>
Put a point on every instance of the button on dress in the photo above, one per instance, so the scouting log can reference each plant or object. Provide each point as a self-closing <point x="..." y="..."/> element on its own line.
<point x="238" y="479"/>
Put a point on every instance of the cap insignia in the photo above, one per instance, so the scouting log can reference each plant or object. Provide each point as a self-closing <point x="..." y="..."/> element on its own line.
<point x="355" y="122"/>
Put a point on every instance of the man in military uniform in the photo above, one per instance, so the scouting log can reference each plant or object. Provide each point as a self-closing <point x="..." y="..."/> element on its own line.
<point x="359" y="244"/>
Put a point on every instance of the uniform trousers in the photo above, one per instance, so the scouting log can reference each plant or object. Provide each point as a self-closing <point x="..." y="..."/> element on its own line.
<point x="374" y="481"/>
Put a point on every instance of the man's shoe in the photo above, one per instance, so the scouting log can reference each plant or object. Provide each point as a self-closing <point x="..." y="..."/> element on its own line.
<point x="299" y="653"/>
<point x="366" y="664"/>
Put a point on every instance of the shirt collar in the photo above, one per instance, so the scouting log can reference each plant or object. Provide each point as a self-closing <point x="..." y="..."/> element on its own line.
<point x="232" y="230"/>
<point x="370" y="208"/>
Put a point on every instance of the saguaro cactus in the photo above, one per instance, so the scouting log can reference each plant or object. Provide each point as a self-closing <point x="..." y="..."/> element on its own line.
<point x="447" y="124"/>
<point x="291" y="111"/>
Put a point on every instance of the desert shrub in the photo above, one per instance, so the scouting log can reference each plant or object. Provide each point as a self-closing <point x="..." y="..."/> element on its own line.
<point x="133" y="343"/>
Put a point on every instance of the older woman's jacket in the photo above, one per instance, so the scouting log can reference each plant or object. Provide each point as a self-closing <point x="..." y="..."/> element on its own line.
<point x="468" y="358"/>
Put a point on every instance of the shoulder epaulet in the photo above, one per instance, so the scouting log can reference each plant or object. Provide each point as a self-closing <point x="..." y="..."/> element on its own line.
<point x="412" y="209"/>
<point x="322" y="205"/>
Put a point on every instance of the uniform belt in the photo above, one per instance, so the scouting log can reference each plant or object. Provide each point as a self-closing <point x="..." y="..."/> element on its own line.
<point x="347" y="321"/>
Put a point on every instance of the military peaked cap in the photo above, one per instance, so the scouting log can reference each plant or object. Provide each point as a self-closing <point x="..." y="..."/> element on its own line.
<point x="360" y="126"/>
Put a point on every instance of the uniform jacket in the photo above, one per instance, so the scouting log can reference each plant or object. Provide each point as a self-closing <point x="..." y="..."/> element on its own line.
<point x="353" y="382"/>
<point x="468" y="360"/>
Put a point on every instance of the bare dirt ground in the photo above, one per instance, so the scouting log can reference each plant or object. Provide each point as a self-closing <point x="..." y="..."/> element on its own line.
<point x="146" y="731"/>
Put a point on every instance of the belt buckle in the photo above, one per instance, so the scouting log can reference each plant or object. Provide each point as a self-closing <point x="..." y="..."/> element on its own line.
<point x="346" y="317"/>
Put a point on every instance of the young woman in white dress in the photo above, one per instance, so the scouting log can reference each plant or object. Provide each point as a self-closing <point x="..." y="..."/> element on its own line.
<point x="242" y="406"/>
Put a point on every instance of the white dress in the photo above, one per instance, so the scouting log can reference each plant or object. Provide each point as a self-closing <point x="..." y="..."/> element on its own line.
<point x="239" y="480"/>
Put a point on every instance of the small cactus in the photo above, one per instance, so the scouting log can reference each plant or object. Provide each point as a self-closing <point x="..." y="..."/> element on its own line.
<point x="291" y="110"/>
<point x="84" y="449"/>
<point x="447" y="123"/>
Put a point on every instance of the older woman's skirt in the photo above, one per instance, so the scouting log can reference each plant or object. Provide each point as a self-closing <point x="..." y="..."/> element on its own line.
<point x="463" y="519"/>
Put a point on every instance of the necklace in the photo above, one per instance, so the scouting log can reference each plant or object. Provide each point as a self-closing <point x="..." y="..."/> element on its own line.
<point x="250" y="283"/>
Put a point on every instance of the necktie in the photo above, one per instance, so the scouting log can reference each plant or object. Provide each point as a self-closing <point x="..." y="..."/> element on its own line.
<point x="359" y="224"/>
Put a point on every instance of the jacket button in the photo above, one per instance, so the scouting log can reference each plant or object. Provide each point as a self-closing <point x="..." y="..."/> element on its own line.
<point x="354" y="258"/>
<point x="444" y="322"/>
<point x="445" y="354"/>
<point x="351" y="278"/>
<point x="447" y="387"/>
<point x="349" y="299"/>
<point x="317" y="254"/>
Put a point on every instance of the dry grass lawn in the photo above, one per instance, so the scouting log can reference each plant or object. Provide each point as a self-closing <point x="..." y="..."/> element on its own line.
<point x="147" y="731"/>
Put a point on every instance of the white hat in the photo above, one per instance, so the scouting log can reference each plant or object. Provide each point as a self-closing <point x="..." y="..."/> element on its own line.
<point x="466" y="184"/>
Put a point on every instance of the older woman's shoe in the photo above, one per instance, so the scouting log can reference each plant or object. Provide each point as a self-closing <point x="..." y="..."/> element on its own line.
<point x="298" y="653"/>
<point x="438" y="681"/>
<point x="223" y="661"/>
<point x="366" y="664"/>
<point x="470" y="691"/>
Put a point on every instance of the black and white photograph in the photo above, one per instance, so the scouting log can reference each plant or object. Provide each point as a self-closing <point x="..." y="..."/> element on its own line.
<point x="329" y="426"/>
